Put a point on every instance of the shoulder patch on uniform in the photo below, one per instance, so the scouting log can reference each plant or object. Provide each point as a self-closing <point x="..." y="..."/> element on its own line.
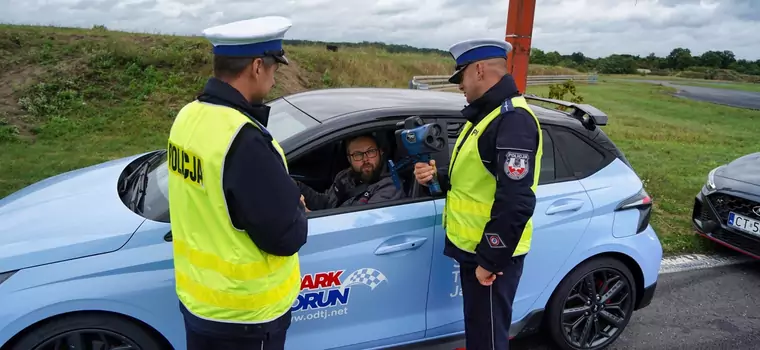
<point x="507" y="106"/>
<point x="494" y="241"/>
<point x="516" y="165"/>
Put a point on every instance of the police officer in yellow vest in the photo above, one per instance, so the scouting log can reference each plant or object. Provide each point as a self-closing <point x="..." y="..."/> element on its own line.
<point x="237" y="217"/>
<point x="491" y="190"/>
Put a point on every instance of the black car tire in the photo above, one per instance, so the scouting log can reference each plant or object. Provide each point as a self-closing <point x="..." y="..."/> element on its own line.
<point x="103" y="326"/>
<point x="557" y="303"/>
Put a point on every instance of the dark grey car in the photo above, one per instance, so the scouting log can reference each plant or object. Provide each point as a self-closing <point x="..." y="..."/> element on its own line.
<point x="727" y="209"/>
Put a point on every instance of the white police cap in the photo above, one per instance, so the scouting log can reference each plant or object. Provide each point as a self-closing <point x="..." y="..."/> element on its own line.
<point x="255" y="37"/>
<point x="469" y="51"/>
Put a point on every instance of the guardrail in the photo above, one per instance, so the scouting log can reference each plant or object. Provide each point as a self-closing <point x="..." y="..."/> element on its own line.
<point x="440" y="82"/>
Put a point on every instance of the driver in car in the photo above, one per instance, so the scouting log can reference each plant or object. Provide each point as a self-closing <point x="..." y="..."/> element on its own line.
<point x="366" y="181"/>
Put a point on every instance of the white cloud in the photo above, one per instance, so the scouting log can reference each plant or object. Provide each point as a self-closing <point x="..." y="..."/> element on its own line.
<point x="594" y="27"/>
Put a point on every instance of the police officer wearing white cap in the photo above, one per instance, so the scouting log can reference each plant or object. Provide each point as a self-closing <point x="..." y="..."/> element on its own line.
<point x="237" y="217"/>
<point x="491" y="188"/>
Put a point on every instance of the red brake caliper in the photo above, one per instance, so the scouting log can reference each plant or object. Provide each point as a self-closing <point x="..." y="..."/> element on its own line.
<point x="604" y="291"/>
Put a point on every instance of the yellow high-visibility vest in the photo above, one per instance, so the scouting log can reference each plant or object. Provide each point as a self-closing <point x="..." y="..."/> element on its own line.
<point x="469" y="201"/>
<point x="221" y="275"/>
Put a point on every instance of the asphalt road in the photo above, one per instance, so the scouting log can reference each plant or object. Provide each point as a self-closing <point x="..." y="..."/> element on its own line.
<point x="717" y="308"/>
<point x="734" y="98"/>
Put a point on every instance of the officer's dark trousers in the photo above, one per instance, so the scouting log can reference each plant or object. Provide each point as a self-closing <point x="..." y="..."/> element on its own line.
<point x="206" y="335"/>
<point x="488" y="309"/>
<point x="205" y="340"/>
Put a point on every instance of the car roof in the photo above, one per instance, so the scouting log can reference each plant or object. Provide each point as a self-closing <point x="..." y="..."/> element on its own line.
<point x="326" y="104"/>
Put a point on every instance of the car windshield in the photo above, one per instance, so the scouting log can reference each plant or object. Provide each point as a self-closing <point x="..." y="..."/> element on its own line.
<point x="284" y="122"/>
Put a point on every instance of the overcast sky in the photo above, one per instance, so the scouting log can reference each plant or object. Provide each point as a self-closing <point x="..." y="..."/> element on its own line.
<point x="594" y="27"/>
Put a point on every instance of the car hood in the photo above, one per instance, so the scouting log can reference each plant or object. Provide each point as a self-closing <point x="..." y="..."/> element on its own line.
<point x="67" y="216"/>
<point x="745" y="169"/>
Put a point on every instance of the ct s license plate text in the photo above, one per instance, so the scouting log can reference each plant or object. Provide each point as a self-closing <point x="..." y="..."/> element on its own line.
<point x="744" y="223"/>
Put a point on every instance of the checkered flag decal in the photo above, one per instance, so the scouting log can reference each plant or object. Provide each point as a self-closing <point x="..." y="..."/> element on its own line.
<point x="366" y="276"/>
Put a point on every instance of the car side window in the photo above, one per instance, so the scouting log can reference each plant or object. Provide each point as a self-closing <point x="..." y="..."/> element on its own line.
<point x="331" y="151"/>
<point x="548" y="171"/>
<point x="582" y="158"/>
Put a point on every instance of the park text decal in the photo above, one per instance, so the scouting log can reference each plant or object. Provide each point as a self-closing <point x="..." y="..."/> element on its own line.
<point x="325" y="294"/>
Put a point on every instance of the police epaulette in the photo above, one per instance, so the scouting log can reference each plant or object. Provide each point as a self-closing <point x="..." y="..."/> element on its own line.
<point x="507" y="106"/>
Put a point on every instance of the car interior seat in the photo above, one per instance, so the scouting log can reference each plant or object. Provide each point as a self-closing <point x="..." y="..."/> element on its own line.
<point x="386" y="140"/>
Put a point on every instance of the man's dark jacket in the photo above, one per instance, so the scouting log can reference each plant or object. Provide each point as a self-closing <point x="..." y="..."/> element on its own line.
<point x="348" y="190"/>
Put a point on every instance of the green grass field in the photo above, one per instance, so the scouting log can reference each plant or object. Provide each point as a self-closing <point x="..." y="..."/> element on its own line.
<point x="71" y="98"/>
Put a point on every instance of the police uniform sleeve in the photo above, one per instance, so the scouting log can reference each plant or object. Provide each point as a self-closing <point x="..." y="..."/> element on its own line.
<point x="514" y="200"/>
<point x="261" y="196"/>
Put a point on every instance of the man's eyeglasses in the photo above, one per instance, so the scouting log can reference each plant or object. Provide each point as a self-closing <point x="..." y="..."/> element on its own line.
<point x="357" y="156"/>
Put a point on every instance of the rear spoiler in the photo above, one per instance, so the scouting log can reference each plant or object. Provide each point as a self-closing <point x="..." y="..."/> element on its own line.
<point x="587" y="114"/>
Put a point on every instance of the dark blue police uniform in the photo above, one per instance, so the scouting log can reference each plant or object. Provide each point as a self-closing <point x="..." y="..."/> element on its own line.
<point x="488" y="310"/>
<point x="252" y="194"/>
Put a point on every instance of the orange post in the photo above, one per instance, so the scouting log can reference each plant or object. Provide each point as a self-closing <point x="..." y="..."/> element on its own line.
<point x="519" y="33"/>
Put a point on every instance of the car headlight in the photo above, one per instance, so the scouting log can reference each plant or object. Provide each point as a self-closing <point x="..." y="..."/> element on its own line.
<point x="710" y="183"/>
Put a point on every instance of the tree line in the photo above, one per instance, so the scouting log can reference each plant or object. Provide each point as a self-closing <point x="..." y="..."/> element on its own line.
<point x="679" y="60"/>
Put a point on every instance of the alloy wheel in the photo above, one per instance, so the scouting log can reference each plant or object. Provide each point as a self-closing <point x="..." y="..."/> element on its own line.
<point x="596" y="309"/>
<point x="88" y="339"/>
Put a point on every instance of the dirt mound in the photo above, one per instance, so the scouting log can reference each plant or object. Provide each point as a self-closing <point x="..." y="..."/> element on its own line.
<point x="14" y="122"/>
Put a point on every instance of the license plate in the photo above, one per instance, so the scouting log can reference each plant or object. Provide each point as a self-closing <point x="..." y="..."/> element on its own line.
<point x="744" y="223"/>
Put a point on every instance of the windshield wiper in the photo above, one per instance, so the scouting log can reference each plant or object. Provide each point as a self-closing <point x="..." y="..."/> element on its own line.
<point x="138" y="181"/>
<point x="138" y="189"/>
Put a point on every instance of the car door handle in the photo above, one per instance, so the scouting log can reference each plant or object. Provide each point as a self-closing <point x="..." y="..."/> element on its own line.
<point x="564" y="205"/>
<point x="398" y="244"/>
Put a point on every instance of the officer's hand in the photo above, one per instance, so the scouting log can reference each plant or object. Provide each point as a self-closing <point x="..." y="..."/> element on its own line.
<point x="424" y="172"/>
<point x="485" y="277"/>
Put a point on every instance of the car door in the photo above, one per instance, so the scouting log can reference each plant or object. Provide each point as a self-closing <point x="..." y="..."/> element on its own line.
<point x="562" y="213"/>
<point x="364" y="277"/>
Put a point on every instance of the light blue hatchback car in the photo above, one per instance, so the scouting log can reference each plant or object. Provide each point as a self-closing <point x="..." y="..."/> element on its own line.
<point x="86" y="256"/>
